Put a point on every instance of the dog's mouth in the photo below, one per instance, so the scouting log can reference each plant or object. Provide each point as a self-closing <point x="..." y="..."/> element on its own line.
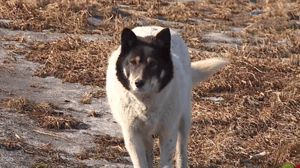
<point x="144" y="86"/>
<point x="141" y="89"/>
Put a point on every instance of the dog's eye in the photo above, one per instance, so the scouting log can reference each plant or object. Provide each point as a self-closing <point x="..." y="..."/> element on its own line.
<point x="152" y="64"/>
<point x="133" y="62"/>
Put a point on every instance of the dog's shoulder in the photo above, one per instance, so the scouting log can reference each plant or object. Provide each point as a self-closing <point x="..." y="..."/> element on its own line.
<point x="180" y="53"/>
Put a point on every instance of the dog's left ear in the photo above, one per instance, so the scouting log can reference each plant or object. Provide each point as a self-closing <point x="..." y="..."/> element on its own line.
<point x="163" y="39"/>
<point x="128" y="39"/>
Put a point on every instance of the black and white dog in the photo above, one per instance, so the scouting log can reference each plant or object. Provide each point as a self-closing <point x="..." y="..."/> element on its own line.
<point x="149" y="83"/>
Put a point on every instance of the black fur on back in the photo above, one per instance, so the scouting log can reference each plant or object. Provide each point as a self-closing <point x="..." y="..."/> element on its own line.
<point x="160" y="45"/>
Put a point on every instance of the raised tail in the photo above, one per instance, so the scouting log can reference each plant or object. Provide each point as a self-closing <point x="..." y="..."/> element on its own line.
<point x="201" y="70"/>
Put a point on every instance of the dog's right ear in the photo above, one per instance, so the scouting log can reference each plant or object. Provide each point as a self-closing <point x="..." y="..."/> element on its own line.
<point x="128" y="39"/>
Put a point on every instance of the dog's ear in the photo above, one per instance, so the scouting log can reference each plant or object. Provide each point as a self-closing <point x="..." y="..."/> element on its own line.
<point x="128" y="39"/>
<point x="163" y="39"/>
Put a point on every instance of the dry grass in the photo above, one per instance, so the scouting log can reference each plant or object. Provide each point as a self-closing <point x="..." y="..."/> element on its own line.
<point x="48" y="157"/>
<point x="72" y="60"/>
<point x="261" y="87"/>
<point x="14" y="143"/>
<point x="51" y="157"/>
<point x="108" y="148"/>
<point x="94" y="114"/>
<point x="86" y="99"/>
<point x="260" y="113"/>
<point x="44" y="113"/>
<point x="7" y="63"/>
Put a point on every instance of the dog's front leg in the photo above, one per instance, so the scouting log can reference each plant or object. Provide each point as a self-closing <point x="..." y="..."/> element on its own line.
<point x="136" y="147"/>
<point x="167" y="144"/>
<point x="149" y="150"/>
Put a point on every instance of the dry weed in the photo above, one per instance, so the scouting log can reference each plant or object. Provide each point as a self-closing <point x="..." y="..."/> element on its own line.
<point x="86" y="99"/>
<point x="107" y="147"/>
<point x="94" y="114"/>
<point x="14" y="143"/>
<point x="44" y="113"/>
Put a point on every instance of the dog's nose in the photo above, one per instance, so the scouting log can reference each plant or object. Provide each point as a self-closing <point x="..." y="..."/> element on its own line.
<point x="139" y="83"/>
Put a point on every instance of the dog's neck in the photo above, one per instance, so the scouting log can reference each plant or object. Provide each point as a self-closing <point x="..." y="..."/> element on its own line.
<point x="153" y="99"/>
<point x="144" y="98"/>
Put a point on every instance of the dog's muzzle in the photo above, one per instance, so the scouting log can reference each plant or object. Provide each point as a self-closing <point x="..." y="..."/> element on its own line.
<point x="139" y="83"/>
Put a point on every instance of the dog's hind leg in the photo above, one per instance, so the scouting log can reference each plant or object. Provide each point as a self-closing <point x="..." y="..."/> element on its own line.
<point x="167" y="144"/>
<point x="181" y="146"/>
<point x="136" y="147"/>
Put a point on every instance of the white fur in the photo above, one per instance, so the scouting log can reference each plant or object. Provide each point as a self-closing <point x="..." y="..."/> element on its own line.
<point x="201" y="70"/>
<point x="166" y="114"/>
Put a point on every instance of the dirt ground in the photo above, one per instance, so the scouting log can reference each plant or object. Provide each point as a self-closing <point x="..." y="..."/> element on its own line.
<point x="53" y="58"/>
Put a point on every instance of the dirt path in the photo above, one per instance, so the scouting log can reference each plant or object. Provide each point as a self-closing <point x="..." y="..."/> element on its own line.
<point x="18" y="80"/>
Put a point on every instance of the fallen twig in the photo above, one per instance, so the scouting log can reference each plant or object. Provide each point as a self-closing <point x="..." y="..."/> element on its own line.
<point x="58" y="136"/>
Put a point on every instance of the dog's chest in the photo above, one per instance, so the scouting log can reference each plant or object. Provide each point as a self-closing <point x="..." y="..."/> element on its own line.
<point x="141" y="115"/>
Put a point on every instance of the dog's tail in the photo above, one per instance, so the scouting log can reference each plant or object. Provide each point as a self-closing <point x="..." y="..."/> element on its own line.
<point x="201" y="70"/>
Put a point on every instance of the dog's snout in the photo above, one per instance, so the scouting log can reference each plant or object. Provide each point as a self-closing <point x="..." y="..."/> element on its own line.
<point x="139" y="83"/>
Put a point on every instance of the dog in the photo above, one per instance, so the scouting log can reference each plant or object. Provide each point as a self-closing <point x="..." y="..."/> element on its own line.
<point x="149" y="83"/>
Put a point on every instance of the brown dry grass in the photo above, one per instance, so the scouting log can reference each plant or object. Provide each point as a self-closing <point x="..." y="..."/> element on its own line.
<point x="44" y="113"/>
<point x="94" y="114"/>
<point x="86" y="99"/>
<point x="7" y="63"/>
<point x="14" y="143"/>
<point x="260" y="110"/>
<point x="48" y="156"/>
<point x="107" y="147"/>
<point x="72" y="59"/>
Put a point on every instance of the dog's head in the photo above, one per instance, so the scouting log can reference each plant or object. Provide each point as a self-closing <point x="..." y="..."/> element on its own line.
<point x="145" y="64"/>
